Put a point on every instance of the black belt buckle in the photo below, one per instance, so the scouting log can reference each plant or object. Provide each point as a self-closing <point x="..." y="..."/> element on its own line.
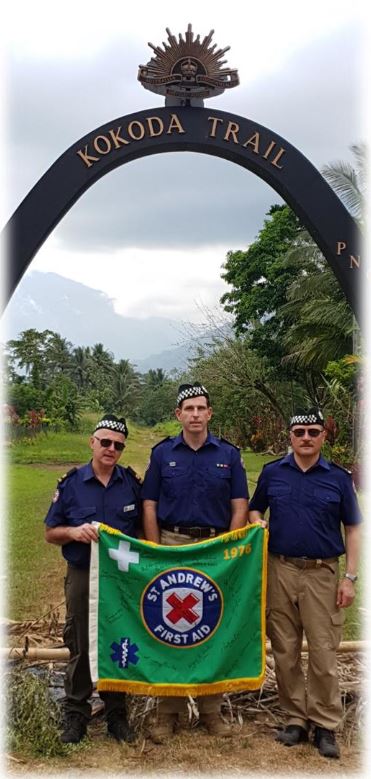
<point x="195" y="532"/>
<point x="201" y="532"/>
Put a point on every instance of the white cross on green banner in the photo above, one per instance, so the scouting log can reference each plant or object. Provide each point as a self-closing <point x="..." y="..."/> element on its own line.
<point x="178" y="620"/>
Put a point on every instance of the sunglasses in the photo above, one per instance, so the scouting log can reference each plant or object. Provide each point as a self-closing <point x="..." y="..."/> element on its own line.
<point x="312" y="432"/>
<point x="107" y="442"/>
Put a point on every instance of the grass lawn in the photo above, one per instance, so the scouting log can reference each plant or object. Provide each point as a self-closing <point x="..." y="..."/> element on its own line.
<point x="36" y="569"/>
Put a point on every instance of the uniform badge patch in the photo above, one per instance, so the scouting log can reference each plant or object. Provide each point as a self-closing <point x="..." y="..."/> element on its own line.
<point x="129" y="508"/>
<point x="124" y="653"/>
<point x="55" y="496"/>
<point x="182" y="607"/>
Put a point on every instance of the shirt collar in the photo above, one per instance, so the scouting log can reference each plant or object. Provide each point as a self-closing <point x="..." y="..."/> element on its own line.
<point x="290" y="460"/>
<point x="88" y="472"/>
<point x="179" y="440"/>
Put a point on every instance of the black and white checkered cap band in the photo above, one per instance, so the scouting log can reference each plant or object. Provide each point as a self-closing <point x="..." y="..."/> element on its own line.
<point x="307" y="419"/>
<point x="192" y="392"/>
<point x="108" y="424"/>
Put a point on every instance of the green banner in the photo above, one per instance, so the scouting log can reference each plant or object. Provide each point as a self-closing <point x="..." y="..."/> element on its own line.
<point x="178" y="620"/>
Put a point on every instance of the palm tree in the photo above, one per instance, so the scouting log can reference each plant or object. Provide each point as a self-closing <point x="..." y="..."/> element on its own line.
<point x="28" y="350"/>
<point x="125" y="388"/>
<point x="81" y="366"/>
<point x="350" y="182"/>
<point x="323" y="327"/>
<point x="58" y="355"/>
<point x="102" y="358"/>
<point x="155" y="377"/>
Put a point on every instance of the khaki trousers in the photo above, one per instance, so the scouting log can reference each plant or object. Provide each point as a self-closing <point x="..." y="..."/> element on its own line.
<point x="207" y="704"/>
<point x="305" y="600"/>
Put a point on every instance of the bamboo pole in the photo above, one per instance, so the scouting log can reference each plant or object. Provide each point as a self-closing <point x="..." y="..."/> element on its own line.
<point x="62" y="655"/>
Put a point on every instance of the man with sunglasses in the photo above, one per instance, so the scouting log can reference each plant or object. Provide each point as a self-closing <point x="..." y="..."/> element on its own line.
<point x="101" y="491"/>
<point x="309" y="499"/>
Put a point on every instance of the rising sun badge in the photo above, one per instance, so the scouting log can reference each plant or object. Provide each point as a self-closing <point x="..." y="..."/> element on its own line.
<point x="187" y="70"/>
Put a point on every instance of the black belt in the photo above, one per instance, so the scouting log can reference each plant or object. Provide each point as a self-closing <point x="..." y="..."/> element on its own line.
<point x="194" y="532"/>
<point x="306" y="562"/>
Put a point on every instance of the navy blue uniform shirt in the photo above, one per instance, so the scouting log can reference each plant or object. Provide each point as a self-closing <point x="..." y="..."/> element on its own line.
<point x="80" y="497"/>
<point x="195" y="488"/>
<point x="306" y="509"/>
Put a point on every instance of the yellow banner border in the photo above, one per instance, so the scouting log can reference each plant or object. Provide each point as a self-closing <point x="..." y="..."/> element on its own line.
<point x="180" y="690"/>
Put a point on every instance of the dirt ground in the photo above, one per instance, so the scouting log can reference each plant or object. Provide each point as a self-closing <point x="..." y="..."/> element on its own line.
<point x="251" y="751"/>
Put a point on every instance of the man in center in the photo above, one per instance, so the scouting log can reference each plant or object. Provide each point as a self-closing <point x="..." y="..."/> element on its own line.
<point x="194" y="488"/>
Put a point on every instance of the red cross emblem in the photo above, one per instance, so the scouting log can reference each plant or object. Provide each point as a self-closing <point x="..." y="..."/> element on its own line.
<point x="182" y="608"/>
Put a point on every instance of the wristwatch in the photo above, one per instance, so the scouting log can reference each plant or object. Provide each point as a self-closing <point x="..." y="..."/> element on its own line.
<point x="352" y="577"/>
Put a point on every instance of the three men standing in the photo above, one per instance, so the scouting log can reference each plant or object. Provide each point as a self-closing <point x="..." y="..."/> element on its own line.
<point x="194" y="488"/>
<point x="309" y="499"/>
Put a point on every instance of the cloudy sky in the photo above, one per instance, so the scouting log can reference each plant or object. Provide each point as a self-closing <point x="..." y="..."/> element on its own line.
<point x="153" y="234"/>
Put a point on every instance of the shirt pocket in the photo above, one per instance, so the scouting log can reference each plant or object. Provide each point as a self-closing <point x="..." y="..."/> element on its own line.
<point x="80" y="515"/>
<point x="326" y="495"/>
<point x="175" y="480"/>
<point x="217" y="481"/>
<point x="215" y="472"/>
<point x="279" y="491"/>
<point x="127" y="518"/>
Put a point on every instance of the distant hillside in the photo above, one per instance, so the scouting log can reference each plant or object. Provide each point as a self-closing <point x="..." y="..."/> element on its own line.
<point x="85" y="316"/>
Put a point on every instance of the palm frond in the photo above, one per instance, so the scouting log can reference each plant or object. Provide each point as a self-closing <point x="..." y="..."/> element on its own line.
<point x="344" y="180"/>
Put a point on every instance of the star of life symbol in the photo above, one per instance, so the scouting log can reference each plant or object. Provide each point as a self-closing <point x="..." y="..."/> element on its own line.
<point x="124" y="556"/>
<point x="182" y="609"/>
<point x="124" y="653"/>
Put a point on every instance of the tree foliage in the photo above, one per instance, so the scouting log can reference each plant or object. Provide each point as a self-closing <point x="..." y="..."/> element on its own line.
<point x="260" y="278"/>
<point x="45" y="372"/>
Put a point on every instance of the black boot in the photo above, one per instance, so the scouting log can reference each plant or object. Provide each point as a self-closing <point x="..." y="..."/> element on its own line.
<point x="118" y="726"/>
<point x="292" y="735"/>
<point x="325" y="742"/>
<point x="74" y="728"/>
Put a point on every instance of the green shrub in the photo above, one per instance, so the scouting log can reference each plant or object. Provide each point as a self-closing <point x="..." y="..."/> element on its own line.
<point x="172" y="428"/>
<point x="33" y="716"/>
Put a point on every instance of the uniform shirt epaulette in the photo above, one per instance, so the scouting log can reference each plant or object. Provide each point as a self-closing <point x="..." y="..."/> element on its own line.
<point x="66" y="475"/>
<point x="225" y="441"/>
<point x="275" y="461"/>
<point x="161" y="442"/>
<point x="134" y="474"/>
<point x="346" y="470"/>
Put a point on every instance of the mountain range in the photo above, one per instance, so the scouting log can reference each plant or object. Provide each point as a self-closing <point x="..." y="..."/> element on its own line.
<point x="85" y="316"/>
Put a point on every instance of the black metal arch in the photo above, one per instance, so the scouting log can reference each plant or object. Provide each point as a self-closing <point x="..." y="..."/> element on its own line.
<point x="203" y="130"/>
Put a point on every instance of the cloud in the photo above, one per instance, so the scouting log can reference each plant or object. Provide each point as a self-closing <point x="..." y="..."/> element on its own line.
<point x="300" y="77"/>
<point x="186" y="199"/>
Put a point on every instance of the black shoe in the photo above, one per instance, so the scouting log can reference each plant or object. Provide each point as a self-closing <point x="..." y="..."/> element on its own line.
<point x="119" y="728"/>
<point x="74" y="728"/>
<point x="292" y="735"/>
<point x="325" y="741"/>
